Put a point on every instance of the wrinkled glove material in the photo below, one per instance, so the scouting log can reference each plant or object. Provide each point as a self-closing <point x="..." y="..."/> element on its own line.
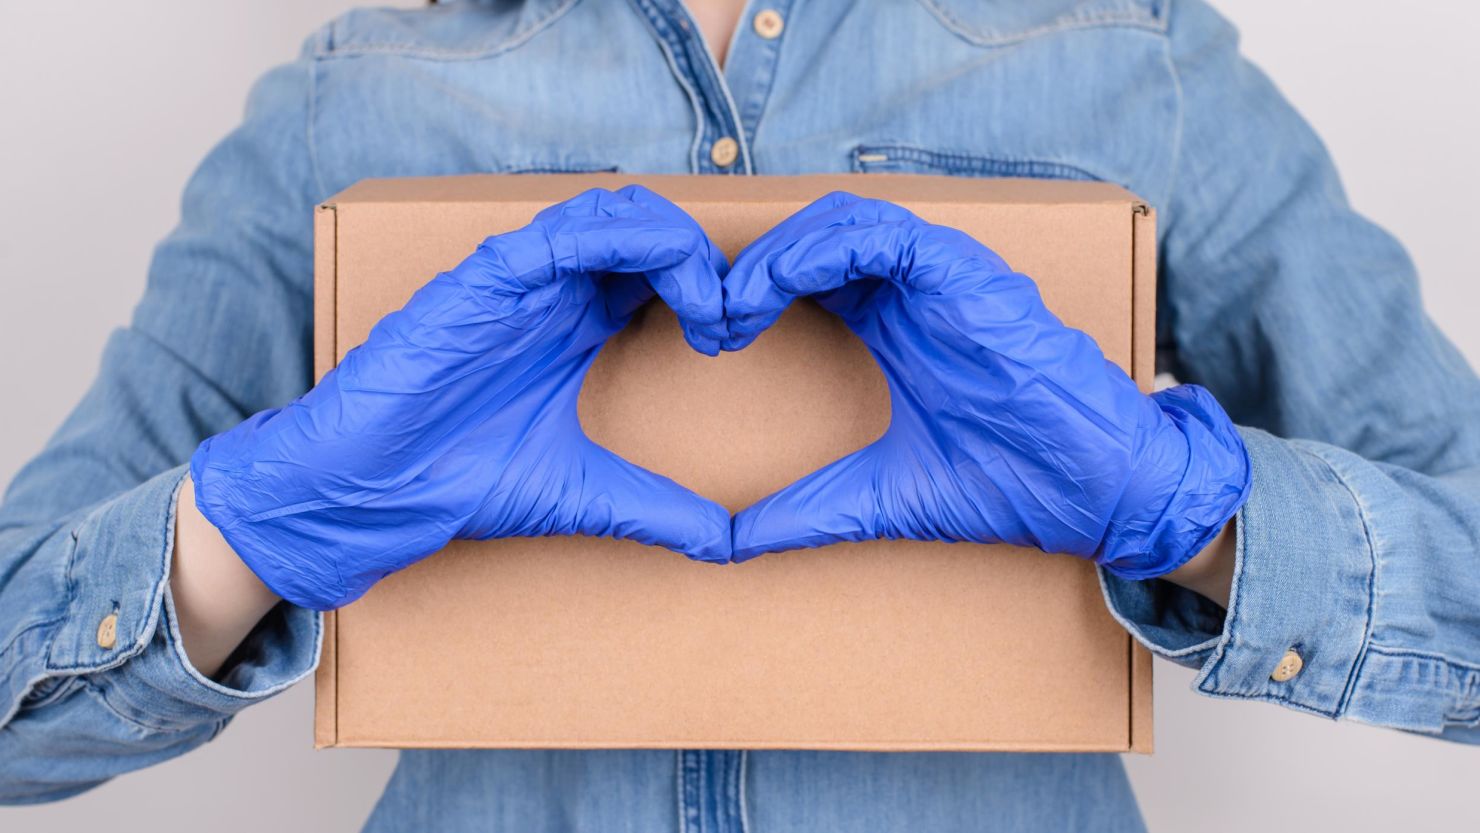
<point x="1007" y="425"/>
<point x="457" y="417"/>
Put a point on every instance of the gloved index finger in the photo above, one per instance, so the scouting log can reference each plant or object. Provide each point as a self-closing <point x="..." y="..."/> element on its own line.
<point x="668" y="210"/>
<point x="635" y="231"/>
<point x="692" y="290"/>
<point x="753" y="300"/>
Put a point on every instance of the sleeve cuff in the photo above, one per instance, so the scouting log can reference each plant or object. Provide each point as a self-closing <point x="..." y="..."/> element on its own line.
<point x="1303" y="582"/>
<point x="120" y="568"/>
<point x="116" y="578"/>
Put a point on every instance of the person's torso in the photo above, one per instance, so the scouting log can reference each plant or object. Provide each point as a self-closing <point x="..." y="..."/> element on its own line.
<point x="1057" y="88"/>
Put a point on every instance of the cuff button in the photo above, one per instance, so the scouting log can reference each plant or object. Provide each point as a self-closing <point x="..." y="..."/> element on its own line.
<point x="108" y="632"/>
<point x="1290" y="665"/>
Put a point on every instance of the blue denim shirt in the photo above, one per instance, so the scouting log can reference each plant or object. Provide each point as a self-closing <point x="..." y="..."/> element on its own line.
<point x="1359" y="548"/>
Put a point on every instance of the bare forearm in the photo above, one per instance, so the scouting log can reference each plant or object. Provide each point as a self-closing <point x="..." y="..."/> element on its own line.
<point x="217" y="599"/>
<point x="1210" y="572"/>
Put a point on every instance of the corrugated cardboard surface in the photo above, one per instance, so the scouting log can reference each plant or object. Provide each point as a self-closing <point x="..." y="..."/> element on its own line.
<point x="581" y="642"/>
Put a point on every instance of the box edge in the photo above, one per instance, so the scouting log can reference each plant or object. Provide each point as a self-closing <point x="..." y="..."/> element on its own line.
<point x="1139" y="729"/>
<point x="326" y="297"/>
<point x="1143" y="369"/>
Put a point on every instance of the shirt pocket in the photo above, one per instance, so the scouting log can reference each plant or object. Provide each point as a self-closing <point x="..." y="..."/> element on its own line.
<point x="1002" y="22"/>
<point x="901" y="159"/>
<point x="559" y="168"/>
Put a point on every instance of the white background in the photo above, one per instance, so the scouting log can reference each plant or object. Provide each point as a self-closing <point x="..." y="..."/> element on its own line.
<point x="108" y="106"/>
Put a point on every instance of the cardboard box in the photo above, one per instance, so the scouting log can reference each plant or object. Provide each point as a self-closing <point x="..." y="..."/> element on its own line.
<point x="585" y="643"/>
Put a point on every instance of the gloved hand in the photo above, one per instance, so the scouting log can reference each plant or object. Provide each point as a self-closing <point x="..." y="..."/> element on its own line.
<point x="1007" y="427"/>
<point x="457" y="417"/>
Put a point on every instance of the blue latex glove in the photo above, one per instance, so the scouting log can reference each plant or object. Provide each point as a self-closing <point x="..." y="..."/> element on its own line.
<point x="1007" y="425"/>
<point x="457" y="417"/>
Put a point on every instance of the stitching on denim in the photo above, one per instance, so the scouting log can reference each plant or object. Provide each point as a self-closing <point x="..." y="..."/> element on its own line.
<point x="310" y="133"/>
<point x="155" y="597"/>
<point x="5" y="661"/>
<point x="688" y="89"/>
<point x="1343" y="703"/>
<point x="1470" y="673"/>
<point x="1279" y="700"/>
<point x="1466" y="676"/>
<point x="14" y="708"/>
<point x="1174" y="168"/>
<point x="1135" y="630"/>
<point x="1099" y="20"/>
<point x="1368" y="535"/>
<point x="1463" y="666"/>
<point x="964" y="162"/>
<point x="744" y="791"/>
<point x="678" y="789"/>
<point x="554" y="168"/>
<point x="433" y="53"/>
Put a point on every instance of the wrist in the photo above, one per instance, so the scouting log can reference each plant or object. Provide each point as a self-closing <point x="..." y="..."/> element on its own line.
<point x="1194" y="478"/>
<point x="1210" y="572"/>
<point x="217" y="599"/>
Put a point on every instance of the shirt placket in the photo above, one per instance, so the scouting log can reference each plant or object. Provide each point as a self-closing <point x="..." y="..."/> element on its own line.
<point x="750" y="67"/>
<point x="711" y="791"/>
<point x="726" y="121"/>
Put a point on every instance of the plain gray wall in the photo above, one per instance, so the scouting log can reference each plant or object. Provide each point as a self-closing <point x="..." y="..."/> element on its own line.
<point x="109" y="105"/>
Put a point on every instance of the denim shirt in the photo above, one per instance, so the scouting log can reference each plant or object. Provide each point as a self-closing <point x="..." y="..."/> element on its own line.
<point x="1359" y="549"/>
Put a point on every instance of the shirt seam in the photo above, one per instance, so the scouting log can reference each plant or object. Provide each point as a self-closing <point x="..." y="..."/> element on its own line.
<point x="1100" y="20"/>
<point x="432" y="53"/>
<point x="1397" y="652"/>
<point x="1174" y="168"/>
<point x="310" y="133"/>
<point x="1371" y="586"/>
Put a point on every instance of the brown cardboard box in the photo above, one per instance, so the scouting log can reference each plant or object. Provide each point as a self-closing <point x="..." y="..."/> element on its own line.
<point x="583" y="642"/>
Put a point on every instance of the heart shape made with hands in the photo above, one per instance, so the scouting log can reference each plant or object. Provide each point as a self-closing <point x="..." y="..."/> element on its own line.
<point x="804" y="394"/>
<point x="1014" y="428"/>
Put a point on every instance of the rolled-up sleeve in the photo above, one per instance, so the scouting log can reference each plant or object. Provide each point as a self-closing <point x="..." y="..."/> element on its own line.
<point x="1356" y="591"/>
<point x="104" y="685"/>
<point x="1363" y="576"/>
<point x="93" y="679"/>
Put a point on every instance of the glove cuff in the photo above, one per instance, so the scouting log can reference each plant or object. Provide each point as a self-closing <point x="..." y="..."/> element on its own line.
<point x="224" y="500"/>
<point x="1170" y="513"/>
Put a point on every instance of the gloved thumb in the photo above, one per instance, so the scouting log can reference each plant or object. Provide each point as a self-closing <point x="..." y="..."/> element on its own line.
<point x="836" y="503"/>
<point x="621" y="500"/>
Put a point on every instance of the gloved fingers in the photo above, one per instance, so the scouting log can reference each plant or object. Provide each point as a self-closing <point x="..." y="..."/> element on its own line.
<point x="599" y="234"/>
<point x="663" y="207"/>
<point x="752" y="304"/>
<point x="635" y="230"/>
<point x="841" y="239"/>
<point x="622" y="500"/>
<point x="700" y="312"/>
<point x="836" y="503"/>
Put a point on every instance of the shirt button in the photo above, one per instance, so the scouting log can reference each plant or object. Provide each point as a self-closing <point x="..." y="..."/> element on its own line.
<point x="768" y="24"/>
<point x="108" y="631"/>
<point x="724" y="152"/>
<point x="1290" y="665"/>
